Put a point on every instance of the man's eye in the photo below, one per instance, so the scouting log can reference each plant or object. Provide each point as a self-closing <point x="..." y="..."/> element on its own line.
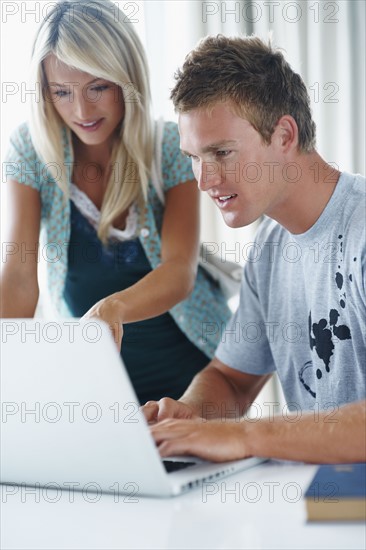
<point x="192" y="157"/>
<point x="222" y="153"/>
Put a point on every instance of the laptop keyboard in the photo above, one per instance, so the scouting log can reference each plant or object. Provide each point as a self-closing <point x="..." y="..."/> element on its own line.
<point x="173" y="466"/>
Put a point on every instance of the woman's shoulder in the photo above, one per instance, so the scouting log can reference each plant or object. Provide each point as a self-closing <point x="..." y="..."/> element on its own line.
<point x="170" y="127"/>
<point x="20" y="138"/>
<point x="22" y="130"/>
<point x="176" y="168"/>
<point x="169" y="142"/>
<point x="170" y="136"/>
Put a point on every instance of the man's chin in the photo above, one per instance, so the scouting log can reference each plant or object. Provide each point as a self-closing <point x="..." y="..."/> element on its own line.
<point x="234" y="221"/>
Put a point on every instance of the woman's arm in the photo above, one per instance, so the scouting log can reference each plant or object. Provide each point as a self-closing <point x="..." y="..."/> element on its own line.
<point x="19" y="290"/>
<point x="173" y="280"/>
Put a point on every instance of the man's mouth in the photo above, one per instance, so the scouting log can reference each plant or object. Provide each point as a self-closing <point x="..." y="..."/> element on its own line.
<point x="224" y="201"/>
<point x="224" y="198"/>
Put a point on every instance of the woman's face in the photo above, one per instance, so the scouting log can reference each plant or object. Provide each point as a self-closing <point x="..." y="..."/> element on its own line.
<point x="91" y="107"/>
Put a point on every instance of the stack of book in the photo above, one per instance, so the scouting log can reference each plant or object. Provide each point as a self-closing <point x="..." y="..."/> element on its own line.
<point x="337" y="493"/>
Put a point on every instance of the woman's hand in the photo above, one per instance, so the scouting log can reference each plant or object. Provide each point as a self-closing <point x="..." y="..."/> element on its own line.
<point x="109" y="310"/>
<point x="172" y="280"/>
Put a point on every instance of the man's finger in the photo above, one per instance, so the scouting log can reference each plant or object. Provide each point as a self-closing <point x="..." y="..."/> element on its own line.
<point x="171" y="429"/>
<point x="174" y="447"/>
<point x="150" y="411"/>
<point x="166" y="410"/>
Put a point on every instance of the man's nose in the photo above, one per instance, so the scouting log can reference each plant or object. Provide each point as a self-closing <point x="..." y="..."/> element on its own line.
<point x="209" y="175"/>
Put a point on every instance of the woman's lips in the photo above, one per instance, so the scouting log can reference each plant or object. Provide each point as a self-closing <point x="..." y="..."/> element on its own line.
<point x="91" y="126"/>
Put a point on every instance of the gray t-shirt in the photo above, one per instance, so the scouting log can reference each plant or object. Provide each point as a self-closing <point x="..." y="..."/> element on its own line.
<point x="302" y="308"/>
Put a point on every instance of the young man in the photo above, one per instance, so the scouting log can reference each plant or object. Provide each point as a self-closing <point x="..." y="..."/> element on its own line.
<point x="245" y="121"/>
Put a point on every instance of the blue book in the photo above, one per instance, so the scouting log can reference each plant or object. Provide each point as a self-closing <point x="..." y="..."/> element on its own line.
<point x="337" y="493"/>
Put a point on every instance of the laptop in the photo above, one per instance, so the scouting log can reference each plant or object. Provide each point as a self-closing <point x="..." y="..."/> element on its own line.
<point x="70" y="417"/>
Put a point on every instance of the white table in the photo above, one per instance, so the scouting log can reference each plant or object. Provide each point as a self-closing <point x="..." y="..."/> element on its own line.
<point x="261" y="508"/>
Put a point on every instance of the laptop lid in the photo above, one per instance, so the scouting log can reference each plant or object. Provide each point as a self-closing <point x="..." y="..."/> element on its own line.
<point x="69" y="414"/>
<point x="70" y="418"/>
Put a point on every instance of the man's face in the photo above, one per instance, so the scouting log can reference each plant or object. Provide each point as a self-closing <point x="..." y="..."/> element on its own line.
<point x="232" y="164"/>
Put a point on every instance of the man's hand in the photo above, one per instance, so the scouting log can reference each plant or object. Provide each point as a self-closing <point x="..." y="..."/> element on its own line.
<point x="306" y="439"/>
<point x="215" y="440"/>
<point x="108" y="310"/>
<point x="156" y="411"/>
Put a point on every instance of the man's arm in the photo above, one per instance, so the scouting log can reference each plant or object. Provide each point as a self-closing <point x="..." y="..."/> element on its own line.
<point x="221" y="395"/>
<point x="333" y="436"/>
<point x="217" y="391"/>
<point x="339" y="437"/>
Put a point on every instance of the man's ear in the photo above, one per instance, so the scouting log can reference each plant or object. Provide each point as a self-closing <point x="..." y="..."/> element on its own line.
<point x="287" y="133"/>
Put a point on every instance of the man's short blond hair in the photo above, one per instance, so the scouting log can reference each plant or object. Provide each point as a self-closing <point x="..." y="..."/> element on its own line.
<point x="253" y="76"/>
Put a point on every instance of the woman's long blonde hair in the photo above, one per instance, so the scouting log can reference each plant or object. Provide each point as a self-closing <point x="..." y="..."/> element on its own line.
<point x="97" y="38"/>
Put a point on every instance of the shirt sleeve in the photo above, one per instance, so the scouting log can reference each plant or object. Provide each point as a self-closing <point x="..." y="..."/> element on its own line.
<point x="21" y="161"/>
<point x="244" y="343"/>
<point x="176" y="168"/>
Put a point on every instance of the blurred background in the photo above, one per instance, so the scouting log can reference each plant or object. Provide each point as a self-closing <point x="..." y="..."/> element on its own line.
<point x="323" y="40"/>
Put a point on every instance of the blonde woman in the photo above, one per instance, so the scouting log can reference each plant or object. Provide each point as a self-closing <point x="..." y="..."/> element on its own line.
<point x="87" y="170"/>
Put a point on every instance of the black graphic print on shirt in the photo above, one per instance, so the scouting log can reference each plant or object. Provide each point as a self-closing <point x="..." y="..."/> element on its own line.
<point x="322" y="333"/>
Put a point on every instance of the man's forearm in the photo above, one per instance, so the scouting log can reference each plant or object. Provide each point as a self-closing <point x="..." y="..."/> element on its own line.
<point x="310" y="437"/>
<point x="212" y="394"/>
<point x="207" y="390"/>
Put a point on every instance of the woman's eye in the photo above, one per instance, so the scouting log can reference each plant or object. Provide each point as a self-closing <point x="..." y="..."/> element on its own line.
<point x="60" y="93"/>
<point x="100" y="88"/>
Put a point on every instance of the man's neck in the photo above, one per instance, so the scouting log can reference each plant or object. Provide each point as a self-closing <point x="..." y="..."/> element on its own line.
<point x="308" y="195"/>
